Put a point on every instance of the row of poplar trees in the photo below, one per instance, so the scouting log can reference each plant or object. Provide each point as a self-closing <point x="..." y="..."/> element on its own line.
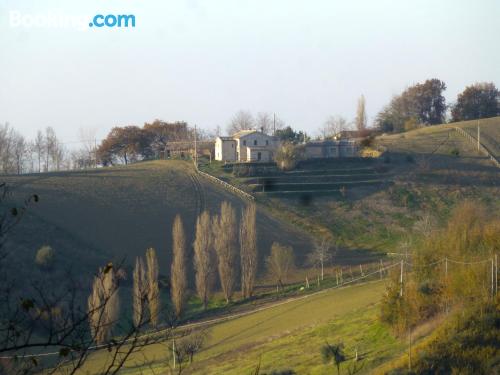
<point x="220" y="248"/>
<point x="218" y="239"/>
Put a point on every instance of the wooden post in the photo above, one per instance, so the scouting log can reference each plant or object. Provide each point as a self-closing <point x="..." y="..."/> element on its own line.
<point x="361" y="270"/>
<point x="173" y="350"/>
<point x="478" y="136"/>
<point x="492" y="281"/>
<point x="318" y="281"/>
<point x="337" y="277"/>
<point x="307" y="282"/>
<point x="401" y="280"/>
<point x="350" y="271"/>
<point x="381" y="268"/>
<point x="496" y="274"/>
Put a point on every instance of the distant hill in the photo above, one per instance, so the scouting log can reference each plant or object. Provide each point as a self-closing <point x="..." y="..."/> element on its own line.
<point x="95" y="216"/>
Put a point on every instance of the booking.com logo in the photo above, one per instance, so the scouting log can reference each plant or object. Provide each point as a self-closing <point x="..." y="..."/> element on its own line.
<point x="112" y="20"/>
<point x="58" y="19"/>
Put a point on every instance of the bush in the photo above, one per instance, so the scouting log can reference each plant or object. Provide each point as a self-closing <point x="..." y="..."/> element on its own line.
<point x="455" y="152"/>
<point x="288" y="155"/>
<point x="45" y="257"/>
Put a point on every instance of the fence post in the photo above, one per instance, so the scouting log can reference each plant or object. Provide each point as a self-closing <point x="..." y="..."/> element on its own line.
<point x="401" y="280"/>
<point x="492" y="270"/>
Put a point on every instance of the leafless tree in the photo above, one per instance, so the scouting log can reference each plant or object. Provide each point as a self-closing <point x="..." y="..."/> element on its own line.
<point x="425" y="225"/>
<point x="184" y="348"/>
<point x="280" y="262"/>
<point x="242" y="120"/>
<point x="104" y="304"/>
<point x="178" y="284"/>
<point x="153" y="290"/>
<point x="264" y="122"/>
<point x="204" y="262"/>
<point x="39" y="148"/>
<point x="140" y="291"/>
<point x="20" y="150"/>
<point x="322" y="253"/>
<point x="52" y="315"/>
<point x="225" y="236"/>
<point x="333" y="126"/>
<point x="248" y="250"/>
<point x="361" y="118"/>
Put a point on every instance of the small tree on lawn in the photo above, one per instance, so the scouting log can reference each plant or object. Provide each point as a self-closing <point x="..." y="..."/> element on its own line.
<point x="333" y="354"/>
<point x="321" y="254"/>
<point x="280" y="262"/>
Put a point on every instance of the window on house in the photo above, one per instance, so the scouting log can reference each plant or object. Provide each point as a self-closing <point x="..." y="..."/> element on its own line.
<point x="267" y="143"/>
<point x="244" y="143"/>
<point x="259" y="155"/>
<point x="255" y="143"/>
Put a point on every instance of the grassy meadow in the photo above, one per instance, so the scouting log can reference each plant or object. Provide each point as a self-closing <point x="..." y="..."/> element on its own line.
<point x="288" y="336"/>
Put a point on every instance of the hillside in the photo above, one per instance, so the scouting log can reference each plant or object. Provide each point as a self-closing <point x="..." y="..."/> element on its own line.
<point x="288" y="336"/>
<point x="94" y="216"/>
<point x="370" y="204"/>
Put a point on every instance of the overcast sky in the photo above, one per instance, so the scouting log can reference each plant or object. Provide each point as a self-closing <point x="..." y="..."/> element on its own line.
<point x="201" y="61"/>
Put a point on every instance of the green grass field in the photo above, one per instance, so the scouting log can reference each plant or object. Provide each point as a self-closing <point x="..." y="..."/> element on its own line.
<point x="288" y="336"/>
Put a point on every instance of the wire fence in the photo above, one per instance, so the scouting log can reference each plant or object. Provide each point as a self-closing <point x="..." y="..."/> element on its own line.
<point x="355" y="274"/>
<point x="480" y="146"/>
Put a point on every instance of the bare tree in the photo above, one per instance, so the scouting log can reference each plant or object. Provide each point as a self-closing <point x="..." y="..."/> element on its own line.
<point x="242" y="120"/>
<point x="333" y="126"/>
<point x="280" y="262"/>
<point x="225" y="236"/>
<point x="103" y="304"/>
<point x="140" y="291"/>
<point x="361" y="118"/>
<point x="204" y="264"/>
<point x="39" y="148"/>
<point x="264" y="122"/>
<point x="20" y="150"/>
<point x="51" y="144"/>
<point x="425" y="225"/>
<point x="248" y="250"/>
<point x="321" y="254"/>
<point x="178" y="270"/>
<point x="56" y="315"/>
<point x="185" y="348"/>
<point x="153" y="290"/>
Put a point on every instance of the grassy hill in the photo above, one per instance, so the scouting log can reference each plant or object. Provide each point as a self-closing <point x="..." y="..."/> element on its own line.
<point x="92" y="217"/>
<point x="288" y="336"/>
<point x="371" y="204"/>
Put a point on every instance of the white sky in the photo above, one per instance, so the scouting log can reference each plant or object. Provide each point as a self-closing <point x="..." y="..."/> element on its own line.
<point x="201" y="61"/>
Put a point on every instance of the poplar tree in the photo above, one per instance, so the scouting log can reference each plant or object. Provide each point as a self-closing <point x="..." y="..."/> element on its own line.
<point x="153" y="290"/>
<point x="178" y="269"/>
<point x="248" y="250"/>
<point x="204" y="258"/>
<point x="225" y="236"/>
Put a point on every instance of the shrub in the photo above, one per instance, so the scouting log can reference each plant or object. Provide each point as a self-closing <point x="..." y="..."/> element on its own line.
<point x="288" y="155"/>
<point x="45" y="257"/>
<point x="455" y="151"/>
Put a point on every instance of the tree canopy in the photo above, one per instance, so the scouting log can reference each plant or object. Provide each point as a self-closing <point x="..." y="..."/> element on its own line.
<point x="479" y="100"/>
<point x="423" y="103"/>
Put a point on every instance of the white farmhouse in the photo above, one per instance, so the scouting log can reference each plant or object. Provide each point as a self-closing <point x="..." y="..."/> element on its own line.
<point x="246" y="146"/>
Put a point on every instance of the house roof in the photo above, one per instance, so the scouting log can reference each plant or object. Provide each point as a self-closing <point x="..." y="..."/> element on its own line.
<point x="242" y="133"/>
<point x="226" y="138"/>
